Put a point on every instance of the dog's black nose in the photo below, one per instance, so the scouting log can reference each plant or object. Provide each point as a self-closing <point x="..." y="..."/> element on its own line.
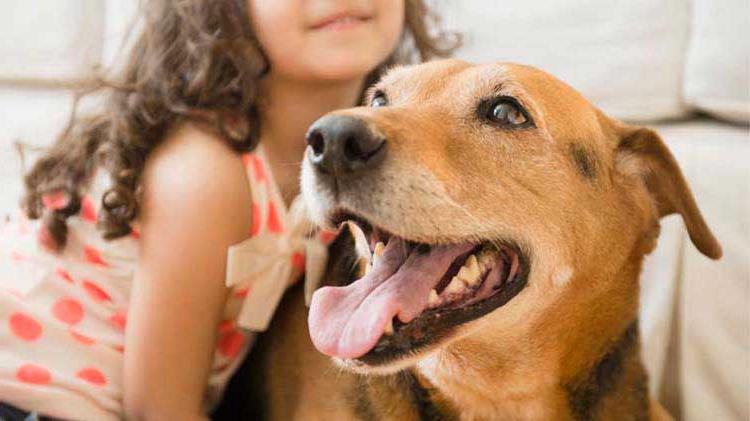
<point x="343" y="144"/>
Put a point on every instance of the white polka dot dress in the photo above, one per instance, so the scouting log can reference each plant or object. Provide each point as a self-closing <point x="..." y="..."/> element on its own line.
<point x="63" y="316"/>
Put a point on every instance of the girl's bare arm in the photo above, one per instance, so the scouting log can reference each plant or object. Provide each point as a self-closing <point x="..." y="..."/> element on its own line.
<point x="196" y="204"/>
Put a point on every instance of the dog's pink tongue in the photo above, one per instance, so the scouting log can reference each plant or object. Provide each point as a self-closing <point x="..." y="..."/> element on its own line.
<point x="346" y="322"/>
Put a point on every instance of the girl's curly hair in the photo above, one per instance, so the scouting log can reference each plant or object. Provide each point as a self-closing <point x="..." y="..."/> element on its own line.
<point x="192" y="56"/>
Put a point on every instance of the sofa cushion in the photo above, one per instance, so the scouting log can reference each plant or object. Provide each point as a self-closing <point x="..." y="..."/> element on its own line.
<point x="718" y="59"/>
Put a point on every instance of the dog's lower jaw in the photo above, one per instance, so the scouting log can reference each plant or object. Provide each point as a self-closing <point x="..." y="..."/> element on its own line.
<point x="366" y="370"/>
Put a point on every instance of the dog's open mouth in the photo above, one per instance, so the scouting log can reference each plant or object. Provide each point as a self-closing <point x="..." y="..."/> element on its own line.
<point x="412" y="295"/>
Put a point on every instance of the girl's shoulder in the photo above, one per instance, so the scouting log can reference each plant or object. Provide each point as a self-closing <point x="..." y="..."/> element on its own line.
<point x="195" y="172"/>
<point x="188" y="142"/>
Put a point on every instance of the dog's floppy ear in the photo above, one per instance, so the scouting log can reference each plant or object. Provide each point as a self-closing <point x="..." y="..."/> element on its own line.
<point x="642" y="152"/>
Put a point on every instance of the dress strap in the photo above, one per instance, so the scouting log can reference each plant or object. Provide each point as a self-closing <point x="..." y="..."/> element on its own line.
<point x="274" y="254"/>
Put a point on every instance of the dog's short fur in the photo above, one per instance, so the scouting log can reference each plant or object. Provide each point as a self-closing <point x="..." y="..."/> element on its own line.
<point x="581" y="193"/>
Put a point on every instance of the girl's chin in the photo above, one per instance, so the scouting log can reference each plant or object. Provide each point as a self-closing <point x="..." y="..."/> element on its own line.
<point x="333" y="61"/>
<point x="337" y="69"/>
<point x="343" y="72"/>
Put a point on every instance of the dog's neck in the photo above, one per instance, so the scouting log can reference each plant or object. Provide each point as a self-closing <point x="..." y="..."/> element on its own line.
<point x="616" y="382"/>
<point x="618" y="379"/>
<point x="586" y="367"/>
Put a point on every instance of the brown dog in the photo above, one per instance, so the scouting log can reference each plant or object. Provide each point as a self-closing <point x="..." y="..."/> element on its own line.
<point x="514" y="217"/>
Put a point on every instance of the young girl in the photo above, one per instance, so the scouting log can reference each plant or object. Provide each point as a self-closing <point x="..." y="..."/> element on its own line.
<point x="114" y="304"/>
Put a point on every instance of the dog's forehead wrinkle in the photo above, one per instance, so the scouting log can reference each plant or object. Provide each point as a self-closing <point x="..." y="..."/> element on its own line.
<point x="464" y="90"/>
<point x="412" y="84"/>
<point x="491" y="80"/>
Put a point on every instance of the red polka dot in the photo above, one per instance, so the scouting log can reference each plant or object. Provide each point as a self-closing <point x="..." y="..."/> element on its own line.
<point x="17" y="257"/>
<point x="255" y="227"/>
<point x="83" y="339"/>
<point x="274" y="223"/>
<point x="326" y="236"/>
<point x="95" y="291"/>
<point x="64" y="274"/>
<point x="298" y="261"/>
<point x="245" y="157"/>
<point x="93" y="256"/>
<point x="241" y="292"/>
<point x="231" y="344"/>
<point x="225" y="327"/>
<point x="25" y="327"/>
<point x="33" y="374"/>
<point x="258" y="168"/>
<point x="56" y="200"/>
<point x="88" y="210"/>
<point x="92" y="376"/>
<point x="119" y="320"/>
<point x="119" y="348"/>
<point x="256" y="164"/>
<point x="68" y="310"/>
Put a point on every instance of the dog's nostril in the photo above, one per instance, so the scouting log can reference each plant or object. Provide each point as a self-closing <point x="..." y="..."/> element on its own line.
<point x="352" y="151"/>
<point x="358" y="149"/>
<point x="316" y="141"/>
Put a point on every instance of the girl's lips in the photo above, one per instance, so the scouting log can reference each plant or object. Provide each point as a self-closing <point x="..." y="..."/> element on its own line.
<point x="341" y="21"/>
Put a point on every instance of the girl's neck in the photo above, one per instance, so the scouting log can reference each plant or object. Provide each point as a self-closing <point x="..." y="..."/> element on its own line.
<point x="288" y="108"/>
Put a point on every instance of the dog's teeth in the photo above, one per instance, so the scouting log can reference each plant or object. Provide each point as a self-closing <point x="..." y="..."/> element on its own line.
<point x="473" y="264"/>
<point x="487" y="259"/>
<point x="377" y="253"/>
<point x="363" y="266"/>
<point x="456" y="286"/>
<point x="388" y="329"/>
<point x="469" y="272"/>
<point x="433" y="300"/>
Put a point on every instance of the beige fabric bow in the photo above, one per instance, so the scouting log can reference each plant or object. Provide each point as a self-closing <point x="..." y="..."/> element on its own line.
<point x="264" y="263"/>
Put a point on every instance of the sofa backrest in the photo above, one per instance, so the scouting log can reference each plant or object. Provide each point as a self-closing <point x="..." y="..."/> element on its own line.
<point x="639" y="60"/>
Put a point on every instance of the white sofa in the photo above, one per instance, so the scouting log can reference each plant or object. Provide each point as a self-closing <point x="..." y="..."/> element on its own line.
<point x="671" y="64"/>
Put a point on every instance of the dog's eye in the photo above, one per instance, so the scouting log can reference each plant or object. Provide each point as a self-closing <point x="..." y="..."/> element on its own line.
<point x="505" y="111"/>
<point x="378" y="100"/>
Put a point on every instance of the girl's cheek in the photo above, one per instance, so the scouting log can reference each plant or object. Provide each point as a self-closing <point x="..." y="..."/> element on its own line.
<point x="392" y="12"/>
<point x="276" y="24"/>
<point x="391" y="21"/>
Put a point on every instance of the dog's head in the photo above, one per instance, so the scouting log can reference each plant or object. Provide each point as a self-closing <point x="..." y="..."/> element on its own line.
<point x="500" y="208"/>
